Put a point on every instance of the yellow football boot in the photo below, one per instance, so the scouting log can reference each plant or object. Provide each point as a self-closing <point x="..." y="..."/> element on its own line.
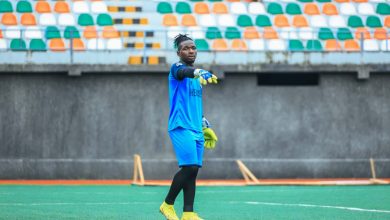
<point x="168" y="211"/>
<point x="190" y="216"/>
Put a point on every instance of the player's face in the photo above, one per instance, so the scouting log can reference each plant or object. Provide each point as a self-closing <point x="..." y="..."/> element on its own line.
<point x="187" y="52"/>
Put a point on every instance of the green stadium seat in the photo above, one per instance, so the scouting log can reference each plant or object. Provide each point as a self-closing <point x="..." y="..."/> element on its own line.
<point x="325" y="34"/>
<point x="383" y="9"/>
<point x="244" y="21"/>
<point x="201" y="45"/>
<point x="293" y="9"/>
<point x="215" y="0"/>
<point x="196" y="0"/>
<point x="373" y="22"/>
<point x="71" y="32"/>
<point x="52" y="32"/>
<point x="355" y="21"/>
<point x="37" y="45"/>
<point x="232" y="33"/>
<point x="322" y="1"/>
<point x="213" y="33"/>
<point x="23" y="7"/>
<point x="183" y="8"/>
<point x="263" y="21"/>
<point x="295" y="45"/>
<point x="104" y="20"/>
<point x="164" y="8"/>
<point x="18" y="45"/>
<point x="85" y="20"/>
<point x="344" y="34"/>
<point x="5" y="6"/>
<point x="305" y="1"/>
<point x="314" y="45"/>
<point x="274" y="8"/>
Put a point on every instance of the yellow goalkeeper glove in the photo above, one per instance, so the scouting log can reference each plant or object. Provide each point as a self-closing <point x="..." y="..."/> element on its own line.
<point x="210" y="138"/>
<point x="205" y="76"/>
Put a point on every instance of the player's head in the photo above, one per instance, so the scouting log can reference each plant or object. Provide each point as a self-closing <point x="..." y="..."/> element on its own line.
<point x="186" y="48"/>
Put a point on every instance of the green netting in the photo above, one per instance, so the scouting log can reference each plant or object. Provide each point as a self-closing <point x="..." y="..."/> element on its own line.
<point x="244" y="21"/>
<point x="355" y="21"/>
<point x="383" y="9"/>
<point x="52" y="32"/>
<point x="232" y="33"/>
<point x="24" y="7"/>
<point x="263" y="21"/>
<point x="18" y="45"/>
<point x="183" y="8"/>
<point x="104" y="20"/>
<point x="213" y="33"/>
<point x="201" y="45"/>
<point x="5" y="6"/>
<point x="71" y="32"/>
<point x="344" y="34"/>
<point x="314" y="45"/>
<point x="274" y="8"/>
<point x="293" y="9"/>
<point x="85" y="20"/>
<point x="164" y="8"/>
<point x="295" y="45"/>
<point x="37" y="45"/>
<point x="373" y="22"/>
<point x="325" y="34"/>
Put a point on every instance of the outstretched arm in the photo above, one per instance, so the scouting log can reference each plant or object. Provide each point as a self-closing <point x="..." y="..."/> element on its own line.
<point x="189" y="72"/>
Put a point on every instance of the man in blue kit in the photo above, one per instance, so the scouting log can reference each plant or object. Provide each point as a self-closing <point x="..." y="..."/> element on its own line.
<point x="189" y="131"/>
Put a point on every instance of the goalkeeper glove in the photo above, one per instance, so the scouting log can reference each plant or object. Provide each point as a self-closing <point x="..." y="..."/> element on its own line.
<point x="205" y="76"/>
<point x="210" y="138"/>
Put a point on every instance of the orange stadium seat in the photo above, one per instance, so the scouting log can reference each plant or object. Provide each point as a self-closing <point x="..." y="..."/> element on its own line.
<point x="281" y="21"/>
<point x="9" y="19"/>
<point x="299" y="21"/>
<point x="342" y="1"/>
<point x="360" y="1"/>
<point x="42" y="7"/>
<point x="1" y="34"/>
<point x="238" y="44"/>
<point x="28" y="19"/>
<point x="329" y="9"/>
<point x="380" y="34"/>
<point x="170" y="20"/>
<point x="220" y="8"/>
<point x="362" y="33"/>
<point x="61" y="7"/>
<point x="201" y="8"/>
<point x="219" y="45"/>
<point x="311" y="9"/>
<point x="110" y="32"/>
<point x="332" y="45"/>
<point x="251" y="33"/>
<point x="270" y="33"/>
<point x="78" y="44"/>
<point x="351" y="45"/>
<point x="90" y="32"/>
<point x="57" y="44"/>
<point x="387" y="22"/>
<point x="188" y="20"/>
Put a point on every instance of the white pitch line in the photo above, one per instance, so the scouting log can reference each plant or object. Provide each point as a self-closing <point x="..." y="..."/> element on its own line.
<point x="81" y="203"/>
<point x="314" y="206"/>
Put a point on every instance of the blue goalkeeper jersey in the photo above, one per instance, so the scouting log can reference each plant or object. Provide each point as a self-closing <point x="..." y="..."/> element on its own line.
<point x="185" y="99"/>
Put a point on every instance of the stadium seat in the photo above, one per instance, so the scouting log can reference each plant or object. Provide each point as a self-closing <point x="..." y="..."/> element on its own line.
<point x="5" y="7"/>
<point x="337" y="21"/>
<point x="114" y="44"/>
<point x="201" y="45"/>
<point x="12" y="32"/>
<point x="293" y="9"/>
<point x="196" y="32"/>
<point x="24" y="7"/>
<point x="33" y="32"/>
<point x="220" y="8"/>
<point x="256" y="8"/>
<point x="323" y="1"/>
<point x="77" y="44"/>
<point x="355" y="21"/>
<point x="351" y="46"/>
<point x="207" y="20"/>
<point x="37" y="45"/>
<point x="183" y="8"/>
<point x="256" y="44"/>
<point x="270" y="33"/>
<point x="215" y="0"/>
<point x="370" y="45"/>
<point x="57" y="45"/>
<point x="332" y="45"/>
<point x="201" y="8"/>
<point x="385" y="45"/>
<point x="314" y="45"/>
<point x="238" y="45"/>
<point x="383" y="9"/>
<point x="66" y="19"/>
<point x="61" y="7"/>
<point x="311" y="9"/>
<point x="381" y="34"/>
<point x="276" y="45"/>
<point x="164" y="8"/>
<point x="366" y="9"/>
<point x="232" y="33"/>
<point x="362" y="32"/>
<point x="18" y="45"/>
<point x="244" y="21"/>
<point x="295" y="45"/>
<point x="251" y="33"/>
<point x="71" y="32"/>
<point x="98" y="7"/>
<point x="329" y="9"/>
<point x="347" y="9"/>
<point x="238" y="8"/>
<point x="96" y="44"/>
<point x="226" y="20"/>
<point x="52" y="32"/>
<point x="104" y="20"/>
<point x="85" y="20"/>
<point x="170" y="20"/>
<point x="263" y="21"/>
<point x="306" y="33"/>
<point x="281" y="21"/>
<point x="1" y="33"/>
<point x="344" y="34"/>
<point x="219" y="45"/>
<point x="47" y="19"/>
<point x="274" y="8"/>
<point x="325" y="34"/>
<point x="360" y="1"/>
<point x="288" y="33"/>
<point x="387" y="22"/>
<point x="80" y="7"/>
<point x="9" y="19"/>
<point x="373" y="22"/>
<point x="3" y="44"/>
<point x="213" y="33"/>
<point x="90" y="32"/>
<point x="299" y="21"/>
<point x="28" y="19"/>
<point x="318" y="21"/>
<point x="110" y="32"/>
<point x="188" y="20"/>
<point x="42" y="7"/>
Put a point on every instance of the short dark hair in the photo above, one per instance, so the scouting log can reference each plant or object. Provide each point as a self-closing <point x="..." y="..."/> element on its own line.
<point x="180" y="38"/>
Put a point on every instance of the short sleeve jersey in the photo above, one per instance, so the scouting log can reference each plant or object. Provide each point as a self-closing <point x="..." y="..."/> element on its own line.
<point x="185" y="99"/>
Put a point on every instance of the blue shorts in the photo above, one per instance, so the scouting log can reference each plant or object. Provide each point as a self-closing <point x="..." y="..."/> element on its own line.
<point x="188" y="146"/>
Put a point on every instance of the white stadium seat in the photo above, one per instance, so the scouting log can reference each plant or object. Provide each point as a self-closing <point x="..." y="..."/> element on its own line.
<point x="98" y="7"/>
<point x="347" y="9"/>
<point x="33" y="32"/>
<point x="366" y="9"/>
<point x="370" y="45"/>
<point x="207" y="20"/>
<point x="238" y="8"/>
<point x="226" y="20"/>
<point x="256" y="8"/>
<point x="47" y="19"/>
<point x="196" y="32"/>
<point x="276" y="45"/>
<point x="96" y="44"/>
<point x="256" y="44"/>
<point x="80" y="7"/>
<point x="3" y="44"/>
<point x="66" y="20"/>
<point x="306" y="33"/>
<point x="385" y="45"/>
<point x="318" y="21"/>
<point x="12" y="32"/>
<point x="337" y="21"/>
<point x="114" y="44"/>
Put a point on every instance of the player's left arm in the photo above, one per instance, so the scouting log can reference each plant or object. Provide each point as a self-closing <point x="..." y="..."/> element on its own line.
<point x="204" y="76"/>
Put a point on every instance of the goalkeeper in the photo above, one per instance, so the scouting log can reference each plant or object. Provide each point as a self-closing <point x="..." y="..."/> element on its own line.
<point x="185" y="128"/>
